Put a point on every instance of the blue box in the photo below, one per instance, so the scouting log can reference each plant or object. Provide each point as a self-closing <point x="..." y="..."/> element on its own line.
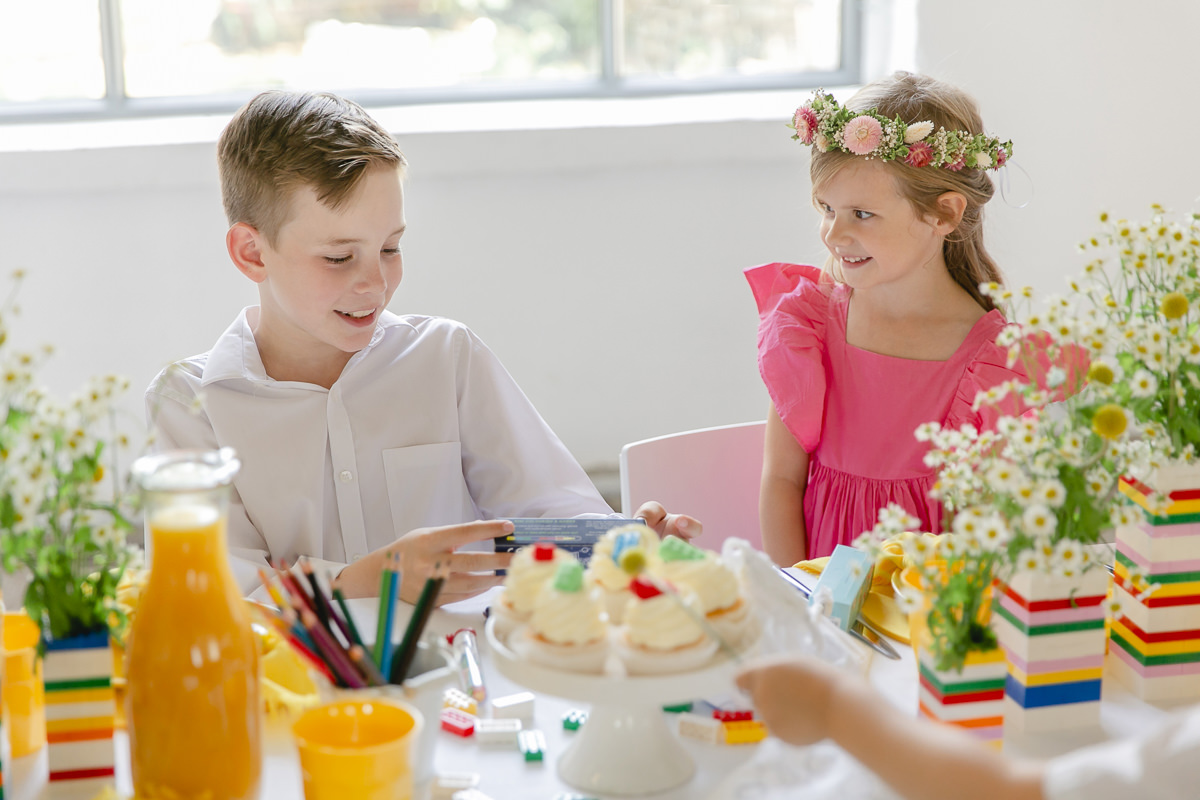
<point x="848" y="577"/>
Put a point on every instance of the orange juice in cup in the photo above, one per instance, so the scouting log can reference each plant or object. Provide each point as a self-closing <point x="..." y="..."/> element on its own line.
<point x="192" y="695"/>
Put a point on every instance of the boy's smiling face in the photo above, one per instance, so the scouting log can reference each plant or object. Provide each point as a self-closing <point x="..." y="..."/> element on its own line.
<point x="327" y="278"/>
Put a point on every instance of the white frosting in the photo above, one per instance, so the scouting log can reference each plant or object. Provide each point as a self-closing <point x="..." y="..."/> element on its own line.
<point x="526" y="577"/>
<point x="567" y="617"/>
<point x="603" y="570"/>
<point x="716" y="586"/>
<point x="660" y="623"/>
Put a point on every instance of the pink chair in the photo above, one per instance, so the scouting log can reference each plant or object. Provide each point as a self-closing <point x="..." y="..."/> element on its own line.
<point x="711" y="474"/>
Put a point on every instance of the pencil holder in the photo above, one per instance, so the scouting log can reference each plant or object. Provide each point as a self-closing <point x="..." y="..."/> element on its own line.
<point x="1155" y="640"/>
<point x="432" y="672"/>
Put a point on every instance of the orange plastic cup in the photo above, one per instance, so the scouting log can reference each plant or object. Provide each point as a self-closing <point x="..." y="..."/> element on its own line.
<point x="24" y="694"/>
<point x="358" y="748"/>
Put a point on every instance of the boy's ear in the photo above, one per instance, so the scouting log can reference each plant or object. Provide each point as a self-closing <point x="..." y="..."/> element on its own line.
<point x="243" y="241"/>
<point x="951" y="206"/>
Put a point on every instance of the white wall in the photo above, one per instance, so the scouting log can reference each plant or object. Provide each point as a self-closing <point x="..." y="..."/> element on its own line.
<point x="603" y="263"/>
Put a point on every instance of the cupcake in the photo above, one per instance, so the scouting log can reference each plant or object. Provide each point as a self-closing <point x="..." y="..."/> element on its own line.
<point x="628" y="543"/>
<point x="717" y="588"/>
<point x="531" y="567"/>
<point x="659" y="634"/>
<point x="566" y="629"/>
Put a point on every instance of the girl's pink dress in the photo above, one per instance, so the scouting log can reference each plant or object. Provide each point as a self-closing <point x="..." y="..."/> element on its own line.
<point x="855" y="411"/>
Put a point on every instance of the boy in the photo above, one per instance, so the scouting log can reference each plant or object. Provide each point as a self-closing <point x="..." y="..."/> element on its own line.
<point x="361" y="433"/>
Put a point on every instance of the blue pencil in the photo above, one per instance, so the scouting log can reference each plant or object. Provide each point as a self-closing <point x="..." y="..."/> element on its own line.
<point x="393" y="595"/>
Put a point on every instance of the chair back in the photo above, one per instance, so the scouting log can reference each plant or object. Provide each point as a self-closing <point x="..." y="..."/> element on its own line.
<point x="711" y="474"/>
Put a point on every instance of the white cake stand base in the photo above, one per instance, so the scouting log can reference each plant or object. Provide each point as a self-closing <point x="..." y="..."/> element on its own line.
<point x="625" y="747"/>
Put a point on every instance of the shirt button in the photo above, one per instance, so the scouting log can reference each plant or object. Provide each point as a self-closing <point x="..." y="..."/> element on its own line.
<point x="357" y="556"/>
<point x="346" y="476"/>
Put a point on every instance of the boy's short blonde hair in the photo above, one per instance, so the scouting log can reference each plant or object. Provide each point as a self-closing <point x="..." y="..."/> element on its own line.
<point x="281" y="141"/>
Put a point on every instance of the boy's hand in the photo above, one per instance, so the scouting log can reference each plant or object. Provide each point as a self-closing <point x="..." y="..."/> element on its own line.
<point x="665" y="524"/>
<point x="421" y="550"/>
<point x="793" y="696"/>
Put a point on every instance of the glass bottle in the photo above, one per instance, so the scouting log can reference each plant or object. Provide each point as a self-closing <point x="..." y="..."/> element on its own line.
<point x="192" y="699"/>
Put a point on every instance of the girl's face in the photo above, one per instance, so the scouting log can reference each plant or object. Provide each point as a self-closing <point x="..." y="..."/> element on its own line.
<point x="873" y="232"/>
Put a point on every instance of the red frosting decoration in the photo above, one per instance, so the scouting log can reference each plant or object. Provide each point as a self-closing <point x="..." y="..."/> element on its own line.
<point x="643" y="588"/>
<point x="543" y="552"/>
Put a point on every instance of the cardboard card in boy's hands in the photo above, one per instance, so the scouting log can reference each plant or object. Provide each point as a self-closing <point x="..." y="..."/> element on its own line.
<point x="576" y="536"/>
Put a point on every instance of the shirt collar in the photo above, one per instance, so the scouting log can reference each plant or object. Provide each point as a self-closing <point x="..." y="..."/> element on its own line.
<point x="235" y="356"/>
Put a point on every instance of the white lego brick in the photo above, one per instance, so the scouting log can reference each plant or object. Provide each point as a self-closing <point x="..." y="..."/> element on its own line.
<point x="447" y="784"/>
<point x="518" y="706"/>
<point x="698" y="726"/>
<point x="1050" y="718"/>
<point x="497" y="731"/>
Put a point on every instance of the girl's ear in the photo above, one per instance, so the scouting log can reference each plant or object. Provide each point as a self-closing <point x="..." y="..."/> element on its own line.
<point x="951" y="206"/>
<point x="243" y="241"/>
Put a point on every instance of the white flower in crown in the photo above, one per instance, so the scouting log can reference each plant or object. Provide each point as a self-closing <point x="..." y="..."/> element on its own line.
<point x="982" y="161"/>
<point x="917" y="131"/>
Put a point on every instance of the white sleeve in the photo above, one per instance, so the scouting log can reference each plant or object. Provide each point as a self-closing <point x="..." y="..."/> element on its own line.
<point x="515" y="466"/>
<point x="176" y="419"/>
<point x="1164" y="764"/>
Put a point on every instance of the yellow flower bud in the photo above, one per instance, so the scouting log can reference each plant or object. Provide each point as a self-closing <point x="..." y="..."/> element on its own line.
<point x="1174" y="305"/>
<point x="1109" y="421"/>
<point x="1100" y="372"/>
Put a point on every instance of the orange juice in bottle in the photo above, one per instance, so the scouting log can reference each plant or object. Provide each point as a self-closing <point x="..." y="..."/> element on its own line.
<point x="192" y="696"/>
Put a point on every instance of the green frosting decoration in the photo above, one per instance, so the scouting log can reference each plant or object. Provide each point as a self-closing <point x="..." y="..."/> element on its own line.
<point x="675" y="549"/>
<point x="569" y="577"/>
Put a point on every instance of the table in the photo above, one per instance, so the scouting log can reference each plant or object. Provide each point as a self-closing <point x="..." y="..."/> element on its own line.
<point x="505" y="775"/>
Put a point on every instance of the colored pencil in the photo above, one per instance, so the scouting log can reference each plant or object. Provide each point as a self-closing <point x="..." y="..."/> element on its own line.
<point x="363" y="661"/>
<point x="355" y="637"/>
<point x="320" y="604"/>
<point x="381" y="629"/>
<point x="306" y="650"/>
<point x="334" y="655"/>
<point x="385" y="666"/>
<point x="407" y="650"/>
<point x="272" y="589"/>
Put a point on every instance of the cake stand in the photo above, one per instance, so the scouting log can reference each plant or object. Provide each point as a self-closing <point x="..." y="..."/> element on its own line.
<point x="625" y="747"/>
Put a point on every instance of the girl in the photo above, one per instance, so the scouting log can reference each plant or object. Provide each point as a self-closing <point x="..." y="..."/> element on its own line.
<point x="897" y="333"/>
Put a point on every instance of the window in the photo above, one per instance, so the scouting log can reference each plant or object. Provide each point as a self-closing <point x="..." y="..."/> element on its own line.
<point x="112" y="57"/>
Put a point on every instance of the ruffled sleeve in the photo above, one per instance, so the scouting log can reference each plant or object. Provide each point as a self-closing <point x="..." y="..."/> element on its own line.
<point x="1032" y="364"/>
<point x="793" y="306"/>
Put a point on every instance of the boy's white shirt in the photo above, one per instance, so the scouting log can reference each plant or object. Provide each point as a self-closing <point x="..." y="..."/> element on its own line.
<point x="424" y="427"/>
<point x="1164" y="763"/>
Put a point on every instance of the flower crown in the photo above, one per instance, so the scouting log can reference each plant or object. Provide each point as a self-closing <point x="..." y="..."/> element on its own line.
<point x="823" y="123"/>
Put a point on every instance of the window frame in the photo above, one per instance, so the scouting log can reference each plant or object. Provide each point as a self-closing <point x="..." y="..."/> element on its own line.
<point x="609" y="84"/>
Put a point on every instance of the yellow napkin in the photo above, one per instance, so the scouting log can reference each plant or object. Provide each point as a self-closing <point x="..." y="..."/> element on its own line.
<point x="880" y="608"/>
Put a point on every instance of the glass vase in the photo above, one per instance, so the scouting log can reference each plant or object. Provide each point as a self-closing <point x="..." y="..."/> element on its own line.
<point x="193" y="708"/>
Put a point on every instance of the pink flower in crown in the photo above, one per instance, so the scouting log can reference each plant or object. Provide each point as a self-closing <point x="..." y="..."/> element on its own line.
<point x="956" y="164"/>
<point x="805" y="123"/>
<point x="919" y="154"/>
<point x="1001" y="157"/>
<point x="862" y="135"/>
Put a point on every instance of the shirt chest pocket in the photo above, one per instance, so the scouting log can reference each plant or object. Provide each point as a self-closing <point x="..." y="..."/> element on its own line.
<point x="426" y="487"/>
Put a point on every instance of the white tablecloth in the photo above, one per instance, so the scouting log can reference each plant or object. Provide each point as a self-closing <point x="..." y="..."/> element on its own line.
<point x="764" y="771"/>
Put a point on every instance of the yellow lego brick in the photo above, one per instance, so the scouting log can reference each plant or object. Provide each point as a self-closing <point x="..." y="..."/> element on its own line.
<point x="744" y="731"/>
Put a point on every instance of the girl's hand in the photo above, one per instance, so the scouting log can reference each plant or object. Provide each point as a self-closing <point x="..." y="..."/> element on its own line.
<point x="665" y="524"/>
<point x="793" y="695"/>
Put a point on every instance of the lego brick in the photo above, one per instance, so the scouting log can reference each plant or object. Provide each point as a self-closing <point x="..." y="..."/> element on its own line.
<point x="847" y="576"/>
<point x="1154" y="671"/>
<point x="743" y="731"/>
<point x="698" y="726"/>
<point x="1052" y="617"/>
<point x="455" y="698"/>
<point x="460" y="723"/>
<point x="445" y="785"/>
<point x="1051" y="647"/>
<point x="1150" y="684"/>
<point x="573" y="720"/>
<point x="1032" y="588"/>
<point x="515" y="706"/>
<point x="1047" y="678"/>
<point x="1156" y="619"/>
<point x="1117" y="640"/>
<point x="532" y="744"/>
<point x="1051" y="695"/>
<point x="1091" y="661"/>
<point x="730" y="715"/>
<point x="1162" y="644"/>
<point x="960" y="712"/>
<point x="497" y="731"/>
<point x="678" y="708"/>
<point x="1050" y="718"/>
<point x="1144" y="547"/>
<point x="1179" y="572"/>
<point x="470" y="794"/>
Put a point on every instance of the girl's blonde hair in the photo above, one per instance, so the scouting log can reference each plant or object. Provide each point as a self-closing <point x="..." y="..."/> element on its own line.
<point x="919" y="98"/>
